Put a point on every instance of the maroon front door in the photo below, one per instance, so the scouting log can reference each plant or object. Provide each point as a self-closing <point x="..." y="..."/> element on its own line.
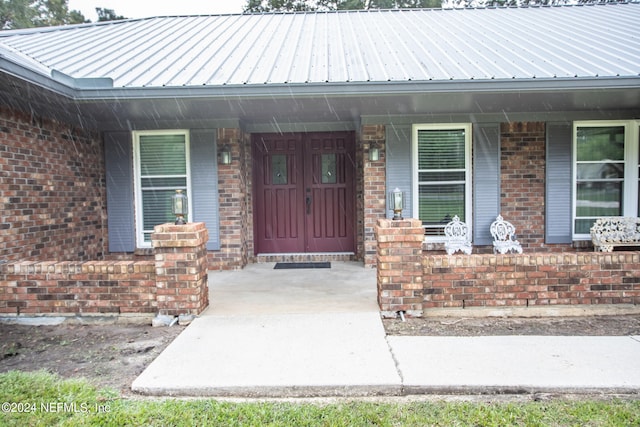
<point x="304" y="192"/>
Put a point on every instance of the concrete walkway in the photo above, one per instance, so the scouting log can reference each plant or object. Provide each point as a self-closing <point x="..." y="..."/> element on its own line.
<point x="299" y="333"/>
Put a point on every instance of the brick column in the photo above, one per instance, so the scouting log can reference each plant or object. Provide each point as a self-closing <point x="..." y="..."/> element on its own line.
<point x="522" y="181"/>
<point x="374" y="182"/>
<point x="399" y="256"/>
<point x="236" y="213"/>
<point x="181" y="268"/>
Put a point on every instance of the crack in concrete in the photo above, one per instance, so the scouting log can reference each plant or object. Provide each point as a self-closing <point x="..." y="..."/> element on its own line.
<point x="396" y="363"/>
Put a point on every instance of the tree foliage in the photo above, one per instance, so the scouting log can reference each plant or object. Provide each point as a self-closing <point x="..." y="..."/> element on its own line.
<point x="105" y="14"/>
<point x="324" y="5"/>
<point x="518" y="3"/>
<point x="37" y="13"/>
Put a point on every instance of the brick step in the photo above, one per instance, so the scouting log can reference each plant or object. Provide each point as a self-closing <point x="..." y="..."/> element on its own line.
<point x="306" y="257"/>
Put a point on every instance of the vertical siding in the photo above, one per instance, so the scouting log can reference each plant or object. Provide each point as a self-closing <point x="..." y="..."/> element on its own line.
<point x="486" y="180"/>
<point x="398" y="153"/>
<point x="204" y="183"/>
<point x="559" y="195"/>
<point x="119" y="169"/>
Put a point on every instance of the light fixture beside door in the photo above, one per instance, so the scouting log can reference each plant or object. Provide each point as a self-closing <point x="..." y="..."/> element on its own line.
<point x="225" y="155"/>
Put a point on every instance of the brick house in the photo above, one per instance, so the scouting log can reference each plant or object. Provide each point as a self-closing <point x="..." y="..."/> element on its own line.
<point x="287" y="131"/>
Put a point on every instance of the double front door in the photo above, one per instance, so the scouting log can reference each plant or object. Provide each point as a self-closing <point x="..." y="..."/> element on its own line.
<point x="304" y="192"/>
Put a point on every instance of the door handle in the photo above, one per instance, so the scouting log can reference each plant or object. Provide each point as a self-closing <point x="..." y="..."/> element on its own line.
<point x="308" y="201"/>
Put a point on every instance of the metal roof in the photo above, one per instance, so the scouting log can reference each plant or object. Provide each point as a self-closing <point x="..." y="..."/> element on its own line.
<point x="426" y="45"/>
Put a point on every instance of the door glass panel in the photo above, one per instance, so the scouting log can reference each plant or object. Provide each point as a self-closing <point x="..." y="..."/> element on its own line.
<point x="279" y="169"/>
<point x="329" y="168"/>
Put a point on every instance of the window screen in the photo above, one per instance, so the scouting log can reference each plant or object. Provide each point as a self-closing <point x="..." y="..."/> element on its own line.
<point x="442" y="177"/>
<point x="163" y="170"/>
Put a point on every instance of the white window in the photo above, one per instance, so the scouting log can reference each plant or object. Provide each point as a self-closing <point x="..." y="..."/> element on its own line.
<point x="441" y="175"/>
<point x="605" y="175"/>
<point x="161" y="160"/>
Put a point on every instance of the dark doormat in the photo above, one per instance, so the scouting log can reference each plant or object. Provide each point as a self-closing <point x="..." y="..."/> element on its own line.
<point x="288" y="265"/>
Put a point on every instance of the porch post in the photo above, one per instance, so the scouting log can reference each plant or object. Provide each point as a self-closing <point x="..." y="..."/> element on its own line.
<point x="181" y="268"/>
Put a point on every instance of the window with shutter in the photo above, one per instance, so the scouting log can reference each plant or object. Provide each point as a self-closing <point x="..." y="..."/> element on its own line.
<point x="441" y="175"/>
<point x="161" y="167"/>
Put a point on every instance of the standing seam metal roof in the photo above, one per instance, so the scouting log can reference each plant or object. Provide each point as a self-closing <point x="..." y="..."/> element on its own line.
<point x="345" y="46"/>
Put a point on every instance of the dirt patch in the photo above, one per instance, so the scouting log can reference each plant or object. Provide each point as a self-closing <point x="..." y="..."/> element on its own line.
<point x="107" y="355"/>
<point x="563" y="326"/>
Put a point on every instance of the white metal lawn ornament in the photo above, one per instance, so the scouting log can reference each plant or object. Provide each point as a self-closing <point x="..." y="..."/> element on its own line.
<point x="457" y="237"/>
<point x="609" y="232"/>
<point x="504" y="237"/>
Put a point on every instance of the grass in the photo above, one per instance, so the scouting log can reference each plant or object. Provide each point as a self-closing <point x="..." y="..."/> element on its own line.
<point x="44" y="399"/>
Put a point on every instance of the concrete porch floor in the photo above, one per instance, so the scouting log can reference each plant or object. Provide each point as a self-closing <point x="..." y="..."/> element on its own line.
<point x="259" y="289"/>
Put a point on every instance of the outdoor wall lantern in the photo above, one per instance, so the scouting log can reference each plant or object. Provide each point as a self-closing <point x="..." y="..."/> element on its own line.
<point x="374" y="153"/>
<point x="179" y="207"/>
<point x="225" y="155"/>
<point x="396" y="201"/>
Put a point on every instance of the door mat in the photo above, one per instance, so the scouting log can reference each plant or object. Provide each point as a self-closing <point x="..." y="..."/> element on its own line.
<point x="288" y="265"/>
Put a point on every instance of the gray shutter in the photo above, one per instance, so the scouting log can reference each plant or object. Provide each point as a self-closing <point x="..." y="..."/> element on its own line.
<point x="204" y="183"/>
<point x="558" y="183"/>
<point x="118" y="151"/>
<point x="398" y="166"/>
<point x="486" y="180"/>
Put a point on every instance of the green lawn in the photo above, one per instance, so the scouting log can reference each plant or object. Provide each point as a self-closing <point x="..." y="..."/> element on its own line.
<point x="43" y="399"/>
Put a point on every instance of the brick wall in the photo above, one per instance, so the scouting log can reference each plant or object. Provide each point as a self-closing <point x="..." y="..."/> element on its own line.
<point x="52" y="192"/>
<point x="438" y="281"/>
<point x="531" y="279"/>
<point x="522" y="180"/>
<point x="93" y="287"/>
<point x="175" y="283"/>
<point x="374" y="192"/>
<point x="236" y="231"/>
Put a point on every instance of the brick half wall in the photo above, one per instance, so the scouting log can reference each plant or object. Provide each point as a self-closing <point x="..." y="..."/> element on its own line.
<point x="81" y="288"/>
<point x="415" y="282"/>
<point x="526" y="280"/>
<point x="175" y="283"/>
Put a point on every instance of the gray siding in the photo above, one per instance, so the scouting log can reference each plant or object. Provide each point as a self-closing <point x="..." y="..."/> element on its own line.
<point x="119" y="171"/>
<point x="486" y="180"/>
<point x="399" y="164"/>
<point x="558" y="183"/>
<point x="204" y="183"/>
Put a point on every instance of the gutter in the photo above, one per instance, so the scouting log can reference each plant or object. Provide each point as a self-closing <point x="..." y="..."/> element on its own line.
<point x="85" y="92"/>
